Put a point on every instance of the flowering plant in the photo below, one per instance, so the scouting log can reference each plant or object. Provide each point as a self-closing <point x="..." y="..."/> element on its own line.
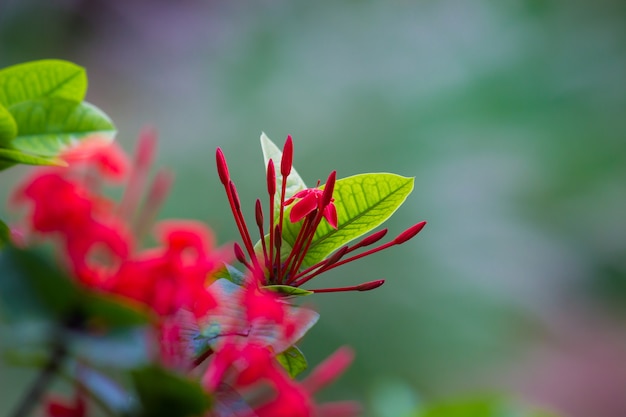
<point x="176" y="329"/>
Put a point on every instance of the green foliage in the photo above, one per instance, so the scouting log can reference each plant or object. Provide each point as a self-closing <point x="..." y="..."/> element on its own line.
<point x="32" y="287"/>
<point x="230" y="273"/>
<point x="363" y="202"/>
<point x="50" y="125"/>
<point x="8" y="127"/>
<point x="288" y="290"/>
<point x="163" y="393"/>
<point x="9" y="157"/>
<point x="45" y="78"/>
<point x="42" y="112"/>
<point x="293" y="361"/>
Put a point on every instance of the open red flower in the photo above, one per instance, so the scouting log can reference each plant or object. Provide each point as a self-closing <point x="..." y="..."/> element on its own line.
<point x="309" y="201"/>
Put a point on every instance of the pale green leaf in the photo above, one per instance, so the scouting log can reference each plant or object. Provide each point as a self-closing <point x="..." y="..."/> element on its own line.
<point x="288" y="290"/>
<point x="363" y="203"/>
<point x="10" y="157"/>
<point x="50" y="125"/>
<point x="294" y="182"/>
<point x="39" y="79"/>
<point x="293" y="361"/>
<point x="8" y="128"/>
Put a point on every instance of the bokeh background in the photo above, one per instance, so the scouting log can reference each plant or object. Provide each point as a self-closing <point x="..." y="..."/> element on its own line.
<point x="511" y="116"/>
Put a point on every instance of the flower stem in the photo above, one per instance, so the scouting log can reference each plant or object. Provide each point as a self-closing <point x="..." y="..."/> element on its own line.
<point x="39" y="387"/>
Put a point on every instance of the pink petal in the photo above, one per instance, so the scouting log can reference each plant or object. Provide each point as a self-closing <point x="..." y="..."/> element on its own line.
<point x="302" y="208"/>
<point x="330" y="214"/>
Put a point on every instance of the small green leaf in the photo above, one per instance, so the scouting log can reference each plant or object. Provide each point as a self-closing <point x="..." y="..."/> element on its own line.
<point x="294" y="182"/>
<point x="288" y="290"/>
<point x="5" y="234"/>
<point x="9" y="157"/>
<point x="363" y="203"/>
<point x="8" y="127"/>
<point x="293" y="361"/>
<point x="39" y="79"/>
<point x="163" y="393"/>
<point x="230" y="273"/>
<point x="48" y="126"/>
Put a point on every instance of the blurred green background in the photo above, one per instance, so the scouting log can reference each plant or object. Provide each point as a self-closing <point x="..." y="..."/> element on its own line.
<point x="511" y="116"/>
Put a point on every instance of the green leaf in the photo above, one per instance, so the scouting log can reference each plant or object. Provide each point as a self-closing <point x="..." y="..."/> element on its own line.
<point x="5" y="234"/>
<point x="163" y="393"/>
<point x="230" y="273"/>
<point x="363" y="203"/>
<point x="111" y="310"/>
<point x="32" y="287"/>
<point x="293" y="361"/>
<point x="39" y="79"/>
<point x="288" y="290"/>
<point x="50" y="125"/>
<point x="8" y="127"/>
<point x="9" y="157"/>
<point x="294" y="182"/>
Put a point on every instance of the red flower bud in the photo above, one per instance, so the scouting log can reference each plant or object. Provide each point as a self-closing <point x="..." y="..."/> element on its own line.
<point x="370" y="240"/>
<point x="222" y="168"/>
<point x="233" y="192"/>
<point x="271" y="178"/>
<point x="370" y="285"/>
<point x="258" y="212"/>
<point x="409" y="233"/>
<point x="287" y="159"/>
<point x="241" y="257"/>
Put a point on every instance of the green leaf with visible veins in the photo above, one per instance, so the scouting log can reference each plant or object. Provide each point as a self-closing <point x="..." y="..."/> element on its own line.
<point x="50" y="125"/>
<point x="294" y="182"/>
<point x="363" y="202"/>
<point x="8" y="128"/>
<point x="39" y="79"/>
<point x="293" y="361"/>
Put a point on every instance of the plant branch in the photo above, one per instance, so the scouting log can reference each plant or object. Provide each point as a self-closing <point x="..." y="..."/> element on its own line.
<point x="39" y="387"/>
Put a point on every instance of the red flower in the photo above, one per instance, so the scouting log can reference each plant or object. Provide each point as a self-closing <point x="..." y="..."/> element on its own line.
<point x="310" y="200"/>
<point x="307" y="206"/>
<point x="60" y="408"/>
<point x="98" y="244"/>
